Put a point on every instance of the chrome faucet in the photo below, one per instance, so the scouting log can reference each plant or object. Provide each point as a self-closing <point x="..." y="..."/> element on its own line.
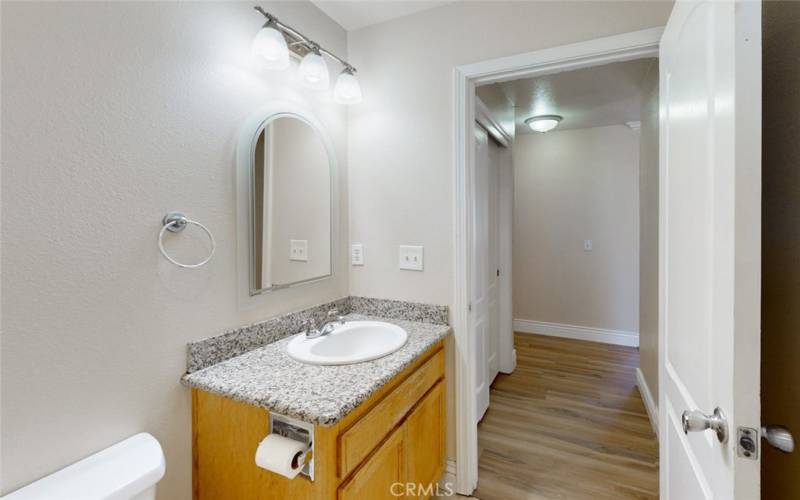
<point x="330" y="323"/>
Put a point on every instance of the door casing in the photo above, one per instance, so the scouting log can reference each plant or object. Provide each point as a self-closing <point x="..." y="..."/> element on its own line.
<point x="606" y="50"/>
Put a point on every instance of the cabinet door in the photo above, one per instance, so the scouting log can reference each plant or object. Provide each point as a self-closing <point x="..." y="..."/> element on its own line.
<point x="424" y="438"/>
<point x="382" y="475"/>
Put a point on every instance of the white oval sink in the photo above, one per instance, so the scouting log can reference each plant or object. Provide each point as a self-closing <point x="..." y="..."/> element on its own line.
<point x="352" y="342"/>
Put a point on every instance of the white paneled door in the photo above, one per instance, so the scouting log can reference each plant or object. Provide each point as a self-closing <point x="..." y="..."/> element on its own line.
<point x="493" y="255"/>
<point x="710" y="219"/>
<point x="480" y="299"/>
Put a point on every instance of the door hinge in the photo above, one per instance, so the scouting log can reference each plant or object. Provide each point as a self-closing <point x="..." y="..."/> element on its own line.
<point x="469" y="306"/>
<point x="747" y="443"/>
<point x="498" y="272"/>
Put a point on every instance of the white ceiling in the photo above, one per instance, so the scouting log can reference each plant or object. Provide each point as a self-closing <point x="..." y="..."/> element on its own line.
<point x="590" y="97"/>
<point x="352" y="15"/>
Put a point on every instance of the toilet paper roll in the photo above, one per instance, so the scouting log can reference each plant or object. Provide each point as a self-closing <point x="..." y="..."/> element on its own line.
<point x="281" y="455"/>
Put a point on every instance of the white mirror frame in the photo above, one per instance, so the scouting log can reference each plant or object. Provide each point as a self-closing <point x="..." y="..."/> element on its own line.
<point x="244" y="158"/>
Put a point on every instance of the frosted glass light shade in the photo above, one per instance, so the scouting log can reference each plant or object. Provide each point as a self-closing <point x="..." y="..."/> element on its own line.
<point x="543" y="123"/>
<point x="347" y="90"/>
<point x="269" y="48"/>
<point x="313" y="72"/>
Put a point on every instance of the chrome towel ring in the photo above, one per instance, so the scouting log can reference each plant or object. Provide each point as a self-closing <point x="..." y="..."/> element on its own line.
<point x="175" y="222"/>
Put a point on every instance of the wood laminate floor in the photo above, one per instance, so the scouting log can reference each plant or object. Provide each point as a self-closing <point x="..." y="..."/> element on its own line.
<point x="569" y="423"/>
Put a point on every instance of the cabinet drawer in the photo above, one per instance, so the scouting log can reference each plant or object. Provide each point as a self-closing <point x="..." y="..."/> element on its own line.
<point x="375" y="479"/>
<point x="360" y="439"/>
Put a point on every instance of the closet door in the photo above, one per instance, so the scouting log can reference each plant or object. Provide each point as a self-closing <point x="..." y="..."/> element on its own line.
<point x="493" y="255"/>
<point x="480" y="289"/>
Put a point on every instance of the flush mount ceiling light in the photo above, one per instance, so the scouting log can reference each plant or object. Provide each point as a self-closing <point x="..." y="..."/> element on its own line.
<point x="274" y="42"/>
<point x="543" y="123"/>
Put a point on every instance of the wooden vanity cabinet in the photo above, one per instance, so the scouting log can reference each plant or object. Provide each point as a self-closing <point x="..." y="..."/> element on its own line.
<point x="396" y="437"/>
<point x="377" y="475"/>
<point x="410" y="460"/>
<point x="424" y="437"/>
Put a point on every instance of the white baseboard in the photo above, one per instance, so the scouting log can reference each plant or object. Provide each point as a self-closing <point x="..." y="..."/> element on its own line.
<point x="450" y="468"/>
<point x="449" y="476"/>
<point x="616" y="337"/>
<point x="649" y="403"/>
<point x="512" y="364"/>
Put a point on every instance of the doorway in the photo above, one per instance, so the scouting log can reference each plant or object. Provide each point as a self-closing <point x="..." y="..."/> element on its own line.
<point x="572" y="401"/>
<point x="631" y="46"/>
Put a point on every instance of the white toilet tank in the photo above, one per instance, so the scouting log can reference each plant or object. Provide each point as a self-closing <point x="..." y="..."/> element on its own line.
<point x="129" y="470"/>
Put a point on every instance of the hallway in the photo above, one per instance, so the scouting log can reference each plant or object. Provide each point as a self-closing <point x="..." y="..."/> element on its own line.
<point x="569" y="423"/>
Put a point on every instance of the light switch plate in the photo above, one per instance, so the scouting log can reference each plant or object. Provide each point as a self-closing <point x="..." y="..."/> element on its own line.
<point x="411" y="258"/>
<point x="357" y="254"/>
<point x="587" y="245"/>
<point x="298" y="250"/>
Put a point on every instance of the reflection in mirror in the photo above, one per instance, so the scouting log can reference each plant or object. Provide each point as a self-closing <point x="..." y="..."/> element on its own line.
<point x="291" y="205"/>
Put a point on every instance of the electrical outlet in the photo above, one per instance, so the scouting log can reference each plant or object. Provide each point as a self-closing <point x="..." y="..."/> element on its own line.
<point x="587" y="245"/>
<point x="411" y="258"/>
<point x="298" y="250"/>
<point x="357" y="254"/>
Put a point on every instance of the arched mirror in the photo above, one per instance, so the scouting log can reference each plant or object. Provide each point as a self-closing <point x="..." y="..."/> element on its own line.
<point x="292" y="203"/>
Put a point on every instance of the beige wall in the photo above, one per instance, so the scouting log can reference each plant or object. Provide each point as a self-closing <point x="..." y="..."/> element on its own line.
<point x="400" y="140"/>
<point x="401" y="136"/>
<point x="113" y="114"/>
<point x="648" y="232"/>
<point x="780" y="287"/>
<point x="571" y="186"/>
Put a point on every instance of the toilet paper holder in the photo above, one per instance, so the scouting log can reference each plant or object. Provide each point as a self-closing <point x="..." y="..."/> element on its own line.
<point x="296" y="430"/>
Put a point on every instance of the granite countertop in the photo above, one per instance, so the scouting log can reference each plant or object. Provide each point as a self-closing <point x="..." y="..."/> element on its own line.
<point x="269" y="378"/>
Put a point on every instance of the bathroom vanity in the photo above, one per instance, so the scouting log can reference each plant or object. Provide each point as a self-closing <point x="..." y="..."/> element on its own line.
<point x="375" y="424"/>
<point x="345" y="400"/>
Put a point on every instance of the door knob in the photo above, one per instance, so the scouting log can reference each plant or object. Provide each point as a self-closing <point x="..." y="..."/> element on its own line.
<point x="697" y="421"/>
<point x="778" y="437"/>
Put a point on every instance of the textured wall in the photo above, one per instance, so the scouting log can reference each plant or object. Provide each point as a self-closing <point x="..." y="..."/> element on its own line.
<point x="113" y="114"/>
<point x="648" y="232"/>
<point x="400" y="141"/>
<point x="571" y="186"/>
<point x="401" y="136"/>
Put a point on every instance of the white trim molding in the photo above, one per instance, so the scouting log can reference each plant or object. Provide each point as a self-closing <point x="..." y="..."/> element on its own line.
<point x="450" y="470"/>
<point x="649" y="403"/>
<point x="606" y="336"/>
<point x="617" y="48"/>
<point x="484" y="116"/>
<point x="465" y="361"/>
<point x="447" y="482"/>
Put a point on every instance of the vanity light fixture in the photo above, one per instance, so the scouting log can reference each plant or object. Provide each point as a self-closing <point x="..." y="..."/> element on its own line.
<point x="543" y="123"/>
<point x="313" y="72"/>
<point x="347" y="90"/>
<point x="274" y="42"/>
<point x="269" y="47"/>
